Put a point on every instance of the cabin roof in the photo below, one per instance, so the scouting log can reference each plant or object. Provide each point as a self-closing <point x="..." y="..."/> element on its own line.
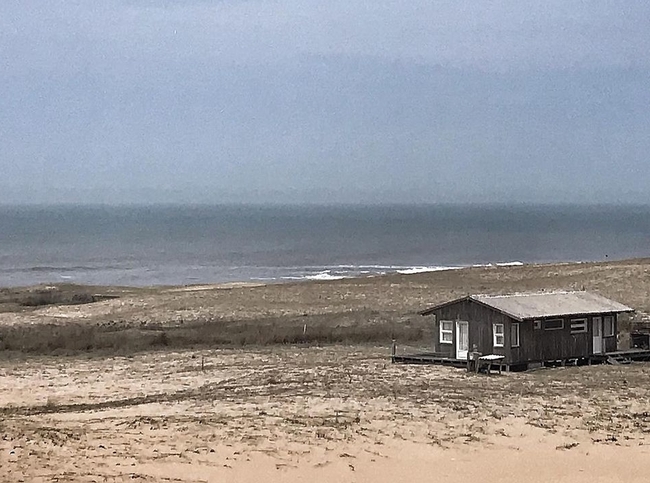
<point x="536" y="305"/>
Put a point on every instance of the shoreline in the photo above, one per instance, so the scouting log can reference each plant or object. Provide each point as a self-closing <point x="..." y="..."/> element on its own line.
<point x="310" y="273"/>
<point x="424" y="274"/>
<point x="320" y="276"/>
<point x="188" y="246"/>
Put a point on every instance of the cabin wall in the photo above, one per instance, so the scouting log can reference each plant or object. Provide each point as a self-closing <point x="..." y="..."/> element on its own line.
<point x="535" y="345"/>
<point x="542" y="344"/>
<point x="480" y="320"/>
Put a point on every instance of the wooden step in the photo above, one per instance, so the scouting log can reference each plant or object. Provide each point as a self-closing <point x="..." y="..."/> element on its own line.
<point x="614" y="360"/>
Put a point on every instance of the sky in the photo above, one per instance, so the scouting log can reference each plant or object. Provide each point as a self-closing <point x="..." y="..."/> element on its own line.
<point x="300" y="101"/>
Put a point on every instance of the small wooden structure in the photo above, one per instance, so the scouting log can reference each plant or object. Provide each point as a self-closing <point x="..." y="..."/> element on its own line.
<point x="525" y="329"/>
<point x="485" y="362"/>
<point x="640" y="340"/>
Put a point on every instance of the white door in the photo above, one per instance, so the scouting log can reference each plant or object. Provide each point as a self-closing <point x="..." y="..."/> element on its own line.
<point x="598" y="334"/>
<point x="462" y="339"/>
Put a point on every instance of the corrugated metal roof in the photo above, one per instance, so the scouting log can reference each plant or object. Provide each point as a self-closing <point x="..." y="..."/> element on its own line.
<point x="549" y="304"/>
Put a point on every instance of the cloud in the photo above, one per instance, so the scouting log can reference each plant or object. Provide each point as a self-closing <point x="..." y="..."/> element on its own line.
<point x="419" y="100"/>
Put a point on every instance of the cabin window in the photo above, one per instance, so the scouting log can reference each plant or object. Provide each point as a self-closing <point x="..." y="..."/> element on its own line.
<point x="554" y="324"/>
<point x="537" y="324"/>
<point x="578" y="326"/>
<point x="446" y="332"/>
<point x="608" y="329"/>
<point x="499" y="337"/>
<point x="514" y="335"/>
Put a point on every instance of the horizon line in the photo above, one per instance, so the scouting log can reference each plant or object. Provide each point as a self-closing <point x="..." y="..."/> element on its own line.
<point x="145" y="204"/>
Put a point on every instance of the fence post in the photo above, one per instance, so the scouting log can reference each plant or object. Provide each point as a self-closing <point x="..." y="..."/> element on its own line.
<point x="393" y="349"/>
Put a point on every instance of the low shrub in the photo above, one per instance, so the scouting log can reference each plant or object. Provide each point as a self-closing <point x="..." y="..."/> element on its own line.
<point x="350" y="328"/>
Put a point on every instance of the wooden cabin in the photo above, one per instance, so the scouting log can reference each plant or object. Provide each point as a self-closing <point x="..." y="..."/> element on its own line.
<point x="527" y="328"/>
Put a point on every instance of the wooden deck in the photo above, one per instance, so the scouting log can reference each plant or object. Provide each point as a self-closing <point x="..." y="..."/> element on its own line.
<point x="627" y="356"/>
<point x="428" y="358"/>
<point x="617" y="357"/>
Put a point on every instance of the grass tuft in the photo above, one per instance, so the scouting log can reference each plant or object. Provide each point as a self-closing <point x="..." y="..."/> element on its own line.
<point x="363" y="327"/>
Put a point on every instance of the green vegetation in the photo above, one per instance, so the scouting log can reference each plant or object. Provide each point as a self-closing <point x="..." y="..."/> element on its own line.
<point x="347" y="328"/>
<point x="13" y="299"/>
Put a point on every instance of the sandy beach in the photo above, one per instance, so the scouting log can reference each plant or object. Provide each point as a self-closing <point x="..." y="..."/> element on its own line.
<point x="314" y="412"/>
<point x="317" y="414"/>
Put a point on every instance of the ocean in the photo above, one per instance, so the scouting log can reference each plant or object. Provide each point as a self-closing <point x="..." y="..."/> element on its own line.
<point x="178" y="245"/>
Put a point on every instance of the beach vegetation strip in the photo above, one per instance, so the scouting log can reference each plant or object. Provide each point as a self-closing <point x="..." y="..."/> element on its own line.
<point x="71" y="319"/>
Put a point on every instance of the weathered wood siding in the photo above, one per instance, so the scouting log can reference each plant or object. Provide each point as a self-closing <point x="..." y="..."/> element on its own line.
<point x="535" y="345"/>
<point x="480" y="320"/>
<point x="542" y="344"/>
<point x="611" y="343"/>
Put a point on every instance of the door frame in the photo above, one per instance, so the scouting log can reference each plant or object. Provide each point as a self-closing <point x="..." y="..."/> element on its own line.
<point x="462" y="355"/>
<point x="597" y="336"/>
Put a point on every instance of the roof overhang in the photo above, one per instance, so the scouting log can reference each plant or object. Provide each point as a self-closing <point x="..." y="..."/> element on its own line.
<point x="514" y="305"/>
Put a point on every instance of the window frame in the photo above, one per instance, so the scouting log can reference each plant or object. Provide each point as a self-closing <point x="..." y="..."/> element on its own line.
<point x="514" y="341"/>
<point x="612" y="326"/>
<point x="444" y="331"/>
<point x="546" y="321"/>
<point x="496" y="335"/>
<point x="579" y="322"/>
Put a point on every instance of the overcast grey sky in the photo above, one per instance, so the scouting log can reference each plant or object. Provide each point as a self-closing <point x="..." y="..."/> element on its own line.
<point x="324" y="101"/>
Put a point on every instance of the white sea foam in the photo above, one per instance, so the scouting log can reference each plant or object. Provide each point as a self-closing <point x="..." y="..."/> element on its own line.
<point x="325" y="275"/>
<point x="339" y="272"/>
<point x="413" y="270"/>
<point x="497" y="264"/>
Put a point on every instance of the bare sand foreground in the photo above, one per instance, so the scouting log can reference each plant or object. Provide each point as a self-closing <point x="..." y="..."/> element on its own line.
<point x="318" y="415"/>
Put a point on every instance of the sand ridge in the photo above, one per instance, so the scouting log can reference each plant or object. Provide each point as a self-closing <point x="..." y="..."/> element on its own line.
<point x="321" y="414"/>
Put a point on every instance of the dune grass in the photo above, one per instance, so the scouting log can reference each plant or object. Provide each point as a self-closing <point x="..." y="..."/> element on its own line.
<point x="348" y="328"/>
